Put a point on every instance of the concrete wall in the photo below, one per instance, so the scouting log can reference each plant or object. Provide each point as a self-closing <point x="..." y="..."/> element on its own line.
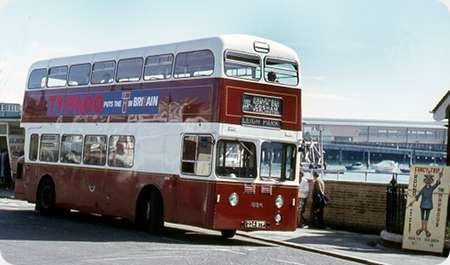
<point x="353" y="206"/>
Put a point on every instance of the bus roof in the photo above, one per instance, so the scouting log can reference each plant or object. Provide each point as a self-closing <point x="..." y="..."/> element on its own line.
<point x="217" y="45"/>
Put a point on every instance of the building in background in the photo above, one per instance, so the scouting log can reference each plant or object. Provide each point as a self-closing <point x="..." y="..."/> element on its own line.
<point x="11" y="135"/>
<point x="442" y="112"/>
<point x="371" y="141"/>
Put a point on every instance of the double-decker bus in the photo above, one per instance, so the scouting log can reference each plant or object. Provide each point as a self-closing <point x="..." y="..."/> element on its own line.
<point x="202" y="132"/>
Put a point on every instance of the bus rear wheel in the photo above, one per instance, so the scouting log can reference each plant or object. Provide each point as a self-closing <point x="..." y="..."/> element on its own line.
<point x="150" y="213"/>
<point x="45" y="199"/>
<point x="228" y="233"/>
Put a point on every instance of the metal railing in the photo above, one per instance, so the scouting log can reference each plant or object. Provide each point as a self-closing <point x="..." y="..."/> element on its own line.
<point x="396" y="197"/>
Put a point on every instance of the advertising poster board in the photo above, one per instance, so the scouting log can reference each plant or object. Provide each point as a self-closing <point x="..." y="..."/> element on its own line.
<point x="426" y="208"/>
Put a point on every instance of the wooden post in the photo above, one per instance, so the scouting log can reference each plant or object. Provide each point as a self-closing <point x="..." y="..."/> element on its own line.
<point x="448" y="136"/>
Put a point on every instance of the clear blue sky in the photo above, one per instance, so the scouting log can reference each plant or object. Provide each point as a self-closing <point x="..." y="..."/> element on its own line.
<point x="385" y="59"/>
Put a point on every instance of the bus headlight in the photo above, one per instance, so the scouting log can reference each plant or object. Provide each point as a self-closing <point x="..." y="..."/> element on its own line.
<point x="277" y="218"/>
<point x="279" y="201"/>
<point x="233" y="199"/>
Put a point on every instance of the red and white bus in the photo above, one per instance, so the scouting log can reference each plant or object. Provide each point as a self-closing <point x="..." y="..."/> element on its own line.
<point x="202" y="132"/>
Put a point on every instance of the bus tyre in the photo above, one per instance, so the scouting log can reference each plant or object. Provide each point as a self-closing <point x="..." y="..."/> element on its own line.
<point x="151" y="213"/>
<point x="228" y="233"/>
<point x="45" y="199"/>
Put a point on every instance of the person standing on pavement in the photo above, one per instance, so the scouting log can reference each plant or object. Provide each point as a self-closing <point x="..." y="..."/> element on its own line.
<point x="2" y="167"/>
<point x="303" y="192"/>
<point x="319" y="199"/>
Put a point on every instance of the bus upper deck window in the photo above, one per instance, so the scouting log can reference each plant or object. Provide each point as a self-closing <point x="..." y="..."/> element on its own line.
<point x="103" y="72"/>
<point x="129" y="70"/>
<point x="242" y="65"/>
<point x="57" y="76"/>
<point x="281" y="71"/>
<point x="158" y="67"/>
<point x="79" y="74"/>
<point x="194" y="64"/>
<point x="38" y="78"/>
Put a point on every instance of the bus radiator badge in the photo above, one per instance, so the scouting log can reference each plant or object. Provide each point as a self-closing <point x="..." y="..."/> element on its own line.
<point x="91" y="188"/>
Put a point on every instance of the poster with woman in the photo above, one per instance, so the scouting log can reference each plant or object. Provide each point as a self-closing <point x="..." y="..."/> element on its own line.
<point x="426" y="210"/>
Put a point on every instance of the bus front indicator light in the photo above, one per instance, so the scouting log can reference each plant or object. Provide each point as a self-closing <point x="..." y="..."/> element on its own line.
<point x="279" y="201"/>
<point x="233" y="199"/>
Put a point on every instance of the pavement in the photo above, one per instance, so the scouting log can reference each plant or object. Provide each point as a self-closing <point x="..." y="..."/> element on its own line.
<point x="363" y="248"/>
<point x="344" y="245"/>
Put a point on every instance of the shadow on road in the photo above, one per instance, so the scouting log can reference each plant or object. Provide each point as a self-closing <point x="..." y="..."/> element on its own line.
<point x="74" y="226"/>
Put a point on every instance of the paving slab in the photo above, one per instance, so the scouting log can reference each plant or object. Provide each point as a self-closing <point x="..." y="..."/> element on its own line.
<point x="365" y="246"/>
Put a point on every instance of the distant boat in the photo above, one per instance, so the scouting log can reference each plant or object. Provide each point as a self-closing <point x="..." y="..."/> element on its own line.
<point x="405" y="168"/>
<point x="355" y="166"/>
<point x="386" y="166"/>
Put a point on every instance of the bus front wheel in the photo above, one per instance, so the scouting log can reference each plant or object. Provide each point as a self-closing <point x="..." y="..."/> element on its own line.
<point x="45" y="199"/>
<point x="150" y="213"/>
<point x="228" y="233"/>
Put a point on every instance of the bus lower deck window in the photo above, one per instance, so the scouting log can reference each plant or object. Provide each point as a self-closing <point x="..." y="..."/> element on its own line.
<point x="49" y="150"/>
<point x="121" y="151"/>
<point x="197" y="155"/>
<point x="95" y="150"/>
<point x="71" y="148"/>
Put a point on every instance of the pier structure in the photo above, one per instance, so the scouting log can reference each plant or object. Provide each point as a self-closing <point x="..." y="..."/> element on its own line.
<point x="371" y="141"/>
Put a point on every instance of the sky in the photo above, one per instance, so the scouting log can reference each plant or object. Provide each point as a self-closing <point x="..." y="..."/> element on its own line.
<point x="385" y="59"/>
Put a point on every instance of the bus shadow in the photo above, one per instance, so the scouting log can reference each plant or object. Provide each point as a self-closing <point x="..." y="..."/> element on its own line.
<point x="30" y="225"/>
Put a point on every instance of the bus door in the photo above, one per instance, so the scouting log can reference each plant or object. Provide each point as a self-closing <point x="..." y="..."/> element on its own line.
<point x="195" y="188"/>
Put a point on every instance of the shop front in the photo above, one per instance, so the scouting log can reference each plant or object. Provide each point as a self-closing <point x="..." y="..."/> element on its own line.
<point x="11" y="141"/>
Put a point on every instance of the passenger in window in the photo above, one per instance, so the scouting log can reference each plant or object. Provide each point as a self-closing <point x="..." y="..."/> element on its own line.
<point x="122" y="157"/>
<point x="272" y="77"/>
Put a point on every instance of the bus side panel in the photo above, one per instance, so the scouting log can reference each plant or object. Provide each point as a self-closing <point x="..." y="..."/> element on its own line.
<point x="194" y="205"/>
<point x="178" y="101"/>
<point x="255" y="206"/>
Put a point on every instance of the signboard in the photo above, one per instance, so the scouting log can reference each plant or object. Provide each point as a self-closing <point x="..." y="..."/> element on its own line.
<point x="105" y="103"/>
<point x="261" y="105"/>
<point x="9" y="110"/>
<point x="258" y="122"/>
<point x="426" y="208"/>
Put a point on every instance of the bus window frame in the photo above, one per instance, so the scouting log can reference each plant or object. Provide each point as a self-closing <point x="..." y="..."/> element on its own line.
<point x="213" y="153"/>
<point x="190" y="77"/>
<point x="282" y="178"/>
<point x="116" y="80"/>
<point x="113" y="77"/>
<point x="282" y="59"/>
<point x="172" y="68"/>
<point x="40" y="148"/>
<point x="37" y="149"/>
<point x="48" y="74"/>
<point x="45" y="82"/>
<point x="90" y="75"/>
<point x="261" y="64"/>
<point x="61" y="147"/>
<point x="108" y="150"/>
<point x="257" y="155"/>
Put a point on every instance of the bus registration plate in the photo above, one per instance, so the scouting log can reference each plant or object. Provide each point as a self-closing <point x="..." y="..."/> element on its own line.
<point x="255" y="224"/>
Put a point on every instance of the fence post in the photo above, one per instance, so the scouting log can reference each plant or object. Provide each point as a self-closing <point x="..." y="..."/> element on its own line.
<point x="395" y="206"/>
